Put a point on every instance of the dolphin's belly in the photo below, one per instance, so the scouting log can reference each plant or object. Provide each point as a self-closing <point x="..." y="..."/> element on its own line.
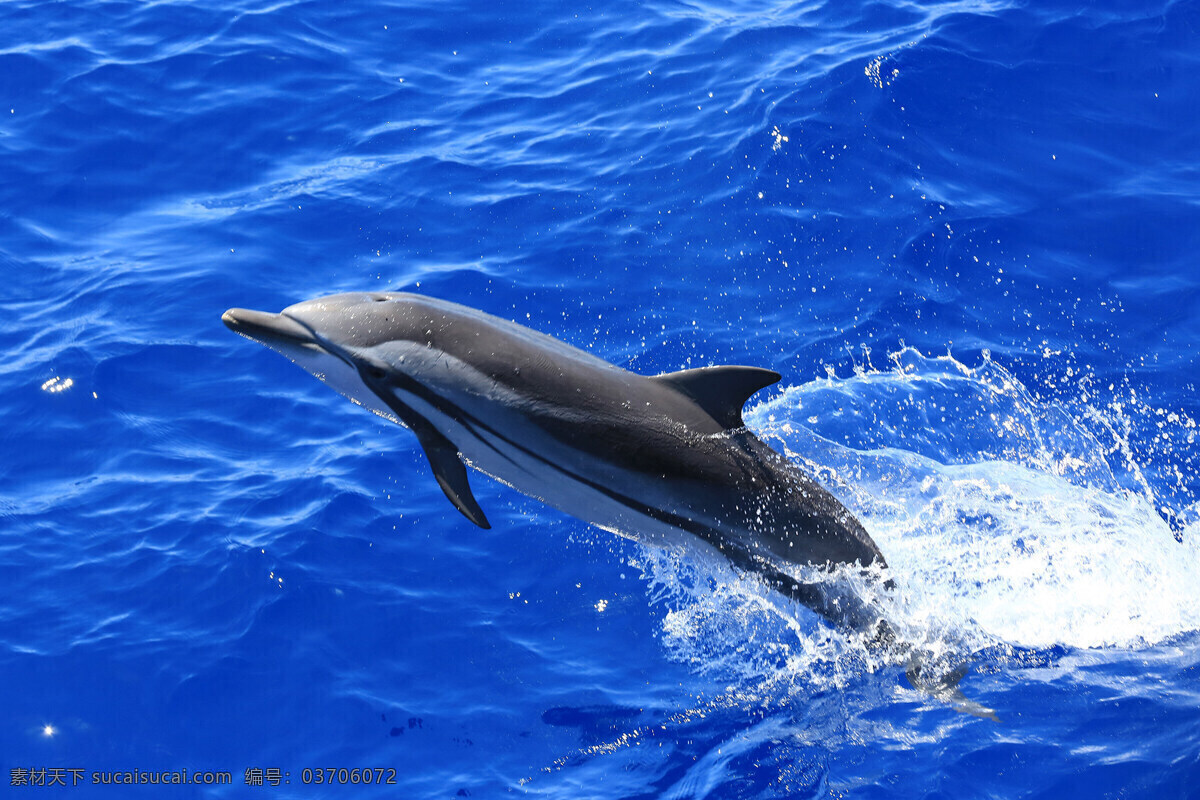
<point x="603" y="496"/>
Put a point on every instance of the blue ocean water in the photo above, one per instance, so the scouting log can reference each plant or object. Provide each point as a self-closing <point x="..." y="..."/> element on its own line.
<point x="964" y="232"/>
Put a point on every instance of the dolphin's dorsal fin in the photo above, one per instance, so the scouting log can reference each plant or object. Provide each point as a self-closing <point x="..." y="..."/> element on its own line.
<point x="450" y="472"/>
<point x="721" y="391"/>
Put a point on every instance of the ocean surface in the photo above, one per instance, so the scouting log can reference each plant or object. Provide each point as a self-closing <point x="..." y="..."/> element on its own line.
<point x="966" y="234"/>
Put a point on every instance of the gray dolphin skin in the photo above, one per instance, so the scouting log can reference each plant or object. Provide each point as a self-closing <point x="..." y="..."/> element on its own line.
<point x="663" y="460"/>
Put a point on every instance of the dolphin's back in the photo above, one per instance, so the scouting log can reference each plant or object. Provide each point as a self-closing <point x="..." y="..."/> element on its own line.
<point x="652" y="427"/>
<point x="556" y="379"/>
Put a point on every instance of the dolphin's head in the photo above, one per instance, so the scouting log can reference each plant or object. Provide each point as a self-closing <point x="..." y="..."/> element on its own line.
<point x="357" y="320"/>
<point x="346" y="340"/>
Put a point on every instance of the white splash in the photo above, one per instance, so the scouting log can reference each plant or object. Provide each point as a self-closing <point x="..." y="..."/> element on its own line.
<point x="1000" y="514"/>
<point x="1005" y="519"/>
<point x="57" y="384"/>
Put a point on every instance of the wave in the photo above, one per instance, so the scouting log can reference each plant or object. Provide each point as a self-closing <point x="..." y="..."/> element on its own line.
<point x="1011" y="527"/>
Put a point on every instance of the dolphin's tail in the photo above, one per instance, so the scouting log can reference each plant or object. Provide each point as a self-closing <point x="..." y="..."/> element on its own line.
<point x="922" y="672"/>
<point x="935" y="675"/>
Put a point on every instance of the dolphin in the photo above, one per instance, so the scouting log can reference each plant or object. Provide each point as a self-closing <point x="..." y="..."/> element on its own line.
<point x="665" y="460"/>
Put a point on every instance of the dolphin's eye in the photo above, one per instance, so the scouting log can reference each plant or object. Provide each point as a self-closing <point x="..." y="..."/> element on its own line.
<point x="375" y="372"/>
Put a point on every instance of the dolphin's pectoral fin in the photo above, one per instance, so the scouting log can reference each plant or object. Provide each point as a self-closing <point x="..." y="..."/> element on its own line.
<point x="451" y="474"/>
<point x="448" y="468"/>
<point x="721" y="391"/>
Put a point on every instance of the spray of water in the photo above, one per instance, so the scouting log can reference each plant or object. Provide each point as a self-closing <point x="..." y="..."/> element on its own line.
<point x="1010" y="522"/>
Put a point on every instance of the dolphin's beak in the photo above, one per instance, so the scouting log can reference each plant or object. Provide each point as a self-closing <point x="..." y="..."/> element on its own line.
<point x="265" y="327"/>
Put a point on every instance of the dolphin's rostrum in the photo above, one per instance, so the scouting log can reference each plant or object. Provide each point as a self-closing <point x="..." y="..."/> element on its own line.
<point x="660" y="459"/>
